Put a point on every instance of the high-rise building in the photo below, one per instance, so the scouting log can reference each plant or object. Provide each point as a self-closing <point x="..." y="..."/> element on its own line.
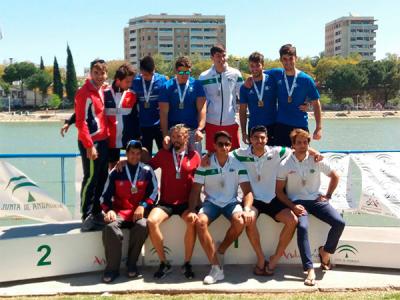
<point x="351" y="34"/>
<point x="172" y="35"/>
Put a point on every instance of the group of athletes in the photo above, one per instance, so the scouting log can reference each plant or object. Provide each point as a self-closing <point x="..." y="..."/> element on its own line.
<point x="278" y="173"/>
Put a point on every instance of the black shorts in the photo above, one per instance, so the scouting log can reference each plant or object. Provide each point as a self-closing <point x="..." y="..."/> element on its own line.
<point x="271" y="209"/>
<point x="113" y="155"/>
<point x="173" y="209"/>
<point x="282" y="134"/>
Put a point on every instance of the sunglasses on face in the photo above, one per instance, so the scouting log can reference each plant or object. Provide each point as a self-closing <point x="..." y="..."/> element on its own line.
<point x="183" y="72"/>
<point x="222" y="144"/>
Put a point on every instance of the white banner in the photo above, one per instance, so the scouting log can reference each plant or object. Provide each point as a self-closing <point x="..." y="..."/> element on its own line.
<point x="20" y="196"/>
<point x="342" y="198"/>
<point x="380" y="183"/>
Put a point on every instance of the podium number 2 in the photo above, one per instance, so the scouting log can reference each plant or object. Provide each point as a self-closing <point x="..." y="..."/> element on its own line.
<point x="42" y="261"/>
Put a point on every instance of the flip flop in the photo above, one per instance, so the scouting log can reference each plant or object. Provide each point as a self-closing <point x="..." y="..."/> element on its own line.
<point x="324" y="266"/>
<point x="268" y="271"/>
<point x="110" y="276"/>
<point x="265" y="271"/>
<point x="309" y="281"/>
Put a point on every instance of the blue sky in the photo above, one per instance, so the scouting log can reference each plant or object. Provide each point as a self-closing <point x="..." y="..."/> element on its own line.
<point x="95" y="28"/>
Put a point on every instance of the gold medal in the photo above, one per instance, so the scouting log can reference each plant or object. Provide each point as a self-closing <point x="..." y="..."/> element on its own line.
<point x="260" y="103"/>
<point x="134" y="190"/>
<point x="289" y="99"/>
<point x="146" y="104"/>
<point x="181" y="105"/>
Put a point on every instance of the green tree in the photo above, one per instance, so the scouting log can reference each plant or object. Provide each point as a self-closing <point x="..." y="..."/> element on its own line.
<point x="71" y="84"/>
<point x="163" y="67"/>
<point x="57" y="83"/>
<point x="346" y="81"/>
<point x="19" y="72"/>
<point x="41" y="64"/>
<point x="55" y="101"/>
<point x="112" y="67"/>
<point x="40" y="80"/>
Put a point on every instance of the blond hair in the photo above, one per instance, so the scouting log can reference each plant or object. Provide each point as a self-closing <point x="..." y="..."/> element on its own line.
<point x="299" y="132"/>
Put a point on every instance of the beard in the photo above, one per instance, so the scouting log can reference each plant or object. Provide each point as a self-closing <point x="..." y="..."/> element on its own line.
<point x="177" y="146"/>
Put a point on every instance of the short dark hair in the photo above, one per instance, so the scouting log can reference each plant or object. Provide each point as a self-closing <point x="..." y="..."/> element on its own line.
<point x="222" y="133"/>
<point x="147" y="64"/>
<point x="98" y="64"/>
<point x="218" y="48"/>
<point x="287" y="49"/>
<point x="134" y="144"/>
<point x="258" y="128"/>
<point x="183" y="61"/>
<point x="256" y="57"/>
<point x="124" y="71"/>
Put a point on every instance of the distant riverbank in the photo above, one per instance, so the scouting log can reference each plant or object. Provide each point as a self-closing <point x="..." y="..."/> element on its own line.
<point x="60" y="116"/>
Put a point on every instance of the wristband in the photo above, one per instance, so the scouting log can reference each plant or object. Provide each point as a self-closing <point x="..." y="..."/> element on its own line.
<point x="144" y="204"/>
<point x="328" y="196"/>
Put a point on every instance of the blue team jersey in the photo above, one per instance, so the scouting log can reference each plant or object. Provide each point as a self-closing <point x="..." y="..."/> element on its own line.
<point x="188" y="115"/>
<point x="266" y="114"/>
<point x="304" y="91"/>
<point x="149" y="116"/>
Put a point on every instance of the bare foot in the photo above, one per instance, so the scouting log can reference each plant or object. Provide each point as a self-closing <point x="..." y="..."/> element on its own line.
<point x="310" y="279"/>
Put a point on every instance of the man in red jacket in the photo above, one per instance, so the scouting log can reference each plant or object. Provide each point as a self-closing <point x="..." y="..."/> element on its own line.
<point x="92" y="142"/>
<point x="126" y="201"/>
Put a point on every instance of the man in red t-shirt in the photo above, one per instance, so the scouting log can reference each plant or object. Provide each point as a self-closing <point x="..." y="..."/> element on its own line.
<point x="177" y="174"/>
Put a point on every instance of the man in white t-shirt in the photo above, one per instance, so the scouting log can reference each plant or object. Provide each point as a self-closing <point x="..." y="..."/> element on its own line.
<point x="300" y="176"/>
<point x="262" y="163"/>
<point x="221" y="180"/>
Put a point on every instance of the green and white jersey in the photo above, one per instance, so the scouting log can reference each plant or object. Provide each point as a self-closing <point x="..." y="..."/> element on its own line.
<point x="303" y="178"/>
<point x="222" y="90"/>
<point x="221" y="183"/>
<point x="262" y="171"/>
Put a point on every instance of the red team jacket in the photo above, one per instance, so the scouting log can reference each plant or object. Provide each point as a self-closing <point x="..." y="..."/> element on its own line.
<point x="117" y="195"/>
<point x="90" y="117"/>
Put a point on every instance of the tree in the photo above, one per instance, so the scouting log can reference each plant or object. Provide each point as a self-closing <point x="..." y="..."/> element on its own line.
<point x="55" y="101"/>
<point x="163" y="67"/>
<point x="71" y="84"/>
<point x="57" y="83"/>
<point x="19" y="72"/>
<point x="112" y="66"/>
<point x="41" y="64"/>
<point x="41" y="81"/>
<point x="346" y="81"/>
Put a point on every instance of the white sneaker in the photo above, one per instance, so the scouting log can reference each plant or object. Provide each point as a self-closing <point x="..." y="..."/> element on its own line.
<point x="216" y="274"/>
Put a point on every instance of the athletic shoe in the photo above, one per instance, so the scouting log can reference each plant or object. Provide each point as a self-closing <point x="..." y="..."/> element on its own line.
<point x="187" y="270"/>
<point x="163" y="270"/>
<point x="216" y="274"/>
<point x="93" y="222"/>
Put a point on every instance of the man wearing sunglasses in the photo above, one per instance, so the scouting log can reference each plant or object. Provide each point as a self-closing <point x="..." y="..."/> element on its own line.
<point x="147" y="86"/>
<point x="182" y="101"/>
<point x="126" y="201"/>
<point x="221" y="85"/>
<point x="221" y="180"/>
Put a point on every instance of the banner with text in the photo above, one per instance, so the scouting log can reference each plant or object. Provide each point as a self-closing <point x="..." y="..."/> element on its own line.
<point x="380" y="183"/>
<point x="22" y="197"/>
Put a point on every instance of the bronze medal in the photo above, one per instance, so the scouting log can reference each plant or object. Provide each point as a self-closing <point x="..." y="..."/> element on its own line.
<point x="146" y="104"/>
<point x="303" y="182"/>
<point x="258" y="177"/>
<point x="134" y="190"/>
<point x="181" y="105"/>
<point x="260" y="103"/>
<point x="289" y="99"/>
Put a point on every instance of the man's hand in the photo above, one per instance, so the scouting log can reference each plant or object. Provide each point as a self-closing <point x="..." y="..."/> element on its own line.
<point x="110" y="216"/>
<point x="205" y="161"/>
<point x="299" y="210"/>
<point x="303" y="107"/>
<point x="249" y="217"/>
<point x="323" y="198"/>
<point x="166" y="142"/>
<point x="91" y="153"/>
<point x="138" y="214"/>
<point x="245" y="138"/>
<point x="64" y="129"/>
<point x="198" y="136"/>
<point x="121" y="165"/>
<point x="317" y="134"/>
<point x="192" y="217"/>
<point x="249" y="82"/>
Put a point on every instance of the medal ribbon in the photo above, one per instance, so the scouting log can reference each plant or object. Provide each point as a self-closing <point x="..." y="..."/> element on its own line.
<point x="290" y="92"/>
<point x="128" y="174"/>
<point x="260" y="95"/>
<point x="178" y="168"/>
<point x="182" y="96"/>
<point x="147" y="93"/>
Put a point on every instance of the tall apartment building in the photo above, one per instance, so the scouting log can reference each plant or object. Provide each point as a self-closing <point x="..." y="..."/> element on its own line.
<point x="351" y="34"/>
<point x="172" y="35"/>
